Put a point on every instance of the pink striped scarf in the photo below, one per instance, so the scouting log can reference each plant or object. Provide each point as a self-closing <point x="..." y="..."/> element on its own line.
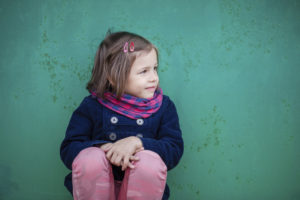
<point x="131" y="106"/>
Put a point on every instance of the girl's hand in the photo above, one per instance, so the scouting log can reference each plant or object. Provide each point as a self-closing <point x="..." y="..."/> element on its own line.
<point x="106" y="147"/>
<point x="131" y="160"/>
<point x="121" y="152"/>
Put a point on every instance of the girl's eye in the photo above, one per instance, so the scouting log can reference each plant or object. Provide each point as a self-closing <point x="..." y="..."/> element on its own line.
<point x="144" y="71"/>
<point x="155" y="68"/>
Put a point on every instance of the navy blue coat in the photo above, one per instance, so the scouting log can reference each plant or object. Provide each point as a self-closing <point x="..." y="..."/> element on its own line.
<point x="92" y="124"/>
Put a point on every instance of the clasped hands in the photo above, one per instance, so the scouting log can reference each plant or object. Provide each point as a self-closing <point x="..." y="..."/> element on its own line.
<point x="122" y="153"/>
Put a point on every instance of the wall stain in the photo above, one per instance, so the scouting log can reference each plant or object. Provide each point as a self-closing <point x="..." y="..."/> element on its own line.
<point x="21" y="92"/>
<point x="287" y="108"/>
<point x="244" y="34"/>
<point x="212" y="168"/>
<point x="249" y="180"/>
<point x="193" y="188"/>
<point x="238" y="145"/>
<point x="291" y="138"/>
<point x="191" y="59"/>
<point x="286" y="105"/>
<point x="212" y="123"/>
<point x="176" y="185"/>
<point x="71" y="106"/>
<point x="45" y="37"/>
<point x="164" y="51"/>
<point x="239" y="179"/>
<point x="59" y="68"/>
<point x="49" y="64"/>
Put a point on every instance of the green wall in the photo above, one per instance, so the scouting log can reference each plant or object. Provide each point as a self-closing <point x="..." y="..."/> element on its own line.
<point x="231" y="67"/>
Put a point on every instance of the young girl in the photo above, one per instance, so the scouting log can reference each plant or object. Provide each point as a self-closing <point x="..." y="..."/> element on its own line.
<point x="124" y="136"/>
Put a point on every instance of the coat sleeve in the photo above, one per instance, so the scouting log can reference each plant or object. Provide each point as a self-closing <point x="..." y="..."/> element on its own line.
<point x="78" y="134"/>
<point x="169" y="143"/>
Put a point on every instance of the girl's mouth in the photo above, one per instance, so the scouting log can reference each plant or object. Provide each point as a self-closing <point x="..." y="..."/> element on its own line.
<point x="151" y="88"/>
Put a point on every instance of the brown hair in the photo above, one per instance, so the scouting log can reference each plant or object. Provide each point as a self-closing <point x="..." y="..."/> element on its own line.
<point x="112" y="65"/>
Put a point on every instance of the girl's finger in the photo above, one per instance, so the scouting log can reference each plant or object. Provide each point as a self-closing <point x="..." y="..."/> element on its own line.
<point x="139" y="149"/>
<point x="125" y="163"/>
<point x="108" y="154"/>
<point x="130" y="165"/>
<point x="134" y="158"/>
<point x="106" y="147"/>
<point x="118" y="160"/>
<point x="113" y="159"/>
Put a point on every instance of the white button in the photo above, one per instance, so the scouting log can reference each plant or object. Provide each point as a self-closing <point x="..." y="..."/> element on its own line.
<point x="114" y="120"/>
<point x="139" y="135"/>
<point x="112" y="136"/>
<point x="140" y="121"/>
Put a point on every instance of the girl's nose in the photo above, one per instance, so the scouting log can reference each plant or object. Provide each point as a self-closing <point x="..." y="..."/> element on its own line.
<point x="153" y="76"/>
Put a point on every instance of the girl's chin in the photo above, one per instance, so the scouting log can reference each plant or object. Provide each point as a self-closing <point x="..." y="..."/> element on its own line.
<point x="149" y="96"/>
<point x="146" y="96"/>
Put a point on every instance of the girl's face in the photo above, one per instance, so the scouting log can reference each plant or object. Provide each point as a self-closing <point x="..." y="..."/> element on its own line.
<point x="143" y="78"/>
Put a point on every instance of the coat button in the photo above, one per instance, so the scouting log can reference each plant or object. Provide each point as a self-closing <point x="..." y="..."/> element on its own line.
<point x="139" y="135"/>
<point x="114" y="120"/>
<point x="112" y="136"/>
<point x="140" y="122"/>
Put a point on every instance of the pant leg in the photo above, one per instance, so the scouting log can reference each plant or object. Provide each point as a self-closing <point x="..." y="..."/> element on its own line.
<point x="147" y="180"/>
<point x="92" y="176"/>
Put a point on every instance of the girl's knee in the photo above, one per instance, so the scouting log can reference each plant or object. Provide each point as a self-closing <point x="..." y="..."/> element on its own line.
<point x="90" y="159"/>
<point x="151" y="164"/>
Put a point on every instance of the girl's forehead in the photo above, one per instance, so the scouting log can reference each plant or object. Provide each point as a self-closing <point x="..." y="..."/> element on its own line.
<point x="144" y="56"/>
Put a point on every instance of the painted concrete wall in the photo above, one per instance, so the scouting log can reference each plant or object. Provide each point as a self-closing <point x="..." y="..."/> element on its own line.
<point x="231" y="67"/>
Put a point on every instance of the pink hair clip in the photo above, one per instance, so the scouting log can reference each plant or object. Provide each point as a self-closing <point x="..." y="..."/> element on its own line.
<point x="131" y="47"/>
<point x="126" y="47"/>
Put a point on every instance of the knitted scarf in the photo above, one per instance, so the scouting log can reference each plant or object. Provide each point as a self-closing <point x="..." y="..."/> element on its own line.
<point x="131" y="106"/>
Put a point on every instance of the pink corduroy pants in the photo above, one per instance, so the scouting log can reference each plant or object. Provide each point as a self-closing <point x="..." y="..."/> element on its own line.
<point x="93" y="179"/>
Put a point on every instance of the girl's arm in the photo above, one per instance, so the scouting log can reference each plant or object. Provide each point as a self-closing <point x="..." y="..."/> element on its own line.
<point x="169" y="143"/>
<point x="78" y="134"/>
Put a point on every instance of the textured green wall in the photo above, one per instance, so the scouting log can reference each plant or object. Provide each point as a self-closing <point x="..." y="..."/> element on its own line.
<point x="231" y="67"/>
